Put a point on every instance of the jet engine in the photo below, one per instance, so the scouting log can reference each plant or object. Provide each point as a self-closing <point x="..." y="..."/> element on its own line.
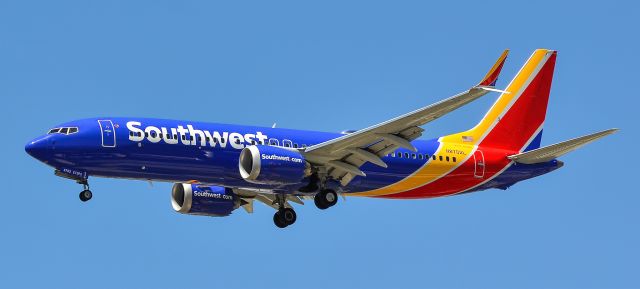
<point x="195" y="199"/>
<point x="262" y="164"/>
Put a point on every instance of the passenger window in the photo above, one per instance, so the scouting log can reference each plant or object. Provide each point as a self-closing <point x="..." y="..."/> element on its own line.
<point x="273" y="142"/>
<point x="447" y="158"/>
<point x="413" y="156"/>
<point x="406" y="155"/>
<point x="295" y="145"/>
<point x="393" y="155"/>
<point x="400" y="155"/>
<point x="440" y="157"/>
<point x="454" y="159"/>
<point x="237" y="141"/>
<point x="434" y="157"/>
<point x="420" y="156"/>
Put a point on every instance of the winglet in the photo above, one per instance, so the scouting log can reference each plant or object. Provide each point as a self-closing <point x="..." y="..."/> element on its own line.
<point x="492" y="76"/>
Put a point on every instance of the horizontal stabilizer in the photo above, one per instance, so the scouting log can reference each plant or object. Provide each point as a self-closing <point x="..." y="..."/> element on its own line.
<point x="554" y="151"/>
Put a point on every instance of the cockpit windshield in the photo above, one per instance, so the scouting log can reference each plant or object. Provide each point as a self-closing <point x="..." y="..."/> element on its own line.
<point x="63" y="130"/>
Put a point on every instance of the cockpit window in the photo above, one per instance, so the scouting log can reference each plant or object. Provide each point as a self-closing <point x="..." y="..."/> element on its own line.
<point x="63" y="130"/>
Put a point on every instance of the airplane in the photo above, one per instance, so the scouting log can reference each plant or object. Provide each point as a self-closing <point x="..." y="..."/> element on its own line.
<point x="218" y="168"/>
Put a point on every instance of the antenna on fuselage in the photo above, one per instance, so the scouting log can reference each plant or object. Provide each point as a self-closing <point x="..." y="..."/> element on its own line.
<point x="274" y="125"/>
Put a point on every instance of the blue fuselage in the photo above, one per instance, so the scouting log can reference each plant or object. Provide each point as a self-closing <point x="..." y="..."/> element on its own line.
<point x="181" y="151"/>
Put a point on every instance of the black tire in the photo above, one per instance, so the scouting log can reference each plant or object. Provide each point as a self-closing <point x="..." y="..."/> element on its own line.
<point x="325" y="199"/>
<point x="289" y="216"/>
<point x="86" y="195"/>
<point x="278" y="220"/>
<point x="319" y="201"/>
<point x="331" y="197"/>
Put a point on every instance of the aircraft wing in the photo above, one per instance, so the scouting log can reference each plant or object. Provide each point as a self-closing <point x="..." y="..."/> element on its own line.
<point x="343" y="156"/>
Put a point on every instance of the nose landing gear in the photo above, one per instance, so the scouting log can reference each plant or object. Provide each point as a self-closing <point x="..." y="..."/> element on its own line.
<point x="80" y="178"/>
<point x="86" y="194"/>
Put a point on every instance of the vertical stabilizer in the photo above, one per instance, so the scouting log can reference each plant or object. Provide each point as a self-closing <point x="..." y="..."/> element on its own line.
<point x="515" y="120"/>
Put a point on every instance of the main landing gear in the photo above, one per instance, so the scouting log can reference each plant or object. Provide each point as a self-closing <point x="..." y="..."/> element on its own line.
<point x="325" y="199"/>
<point x="284" y="216"/>
<point x="86" y="194"/>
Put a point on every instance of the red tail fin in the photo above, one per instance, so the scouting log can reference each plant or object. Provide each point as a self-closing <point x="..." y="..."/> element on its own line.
<point x="516" y="118"/>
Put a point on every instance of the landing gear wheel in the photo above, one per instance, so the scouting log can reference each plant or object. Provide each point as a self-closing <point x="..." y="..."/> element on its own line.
<point x="325" y="199"/>
<point x="278" y="220"/>
<point x="288" y="215"/>
<point x="319" y="203"/>
<point x="284" y="217"/>
<point x="86" y="195"/>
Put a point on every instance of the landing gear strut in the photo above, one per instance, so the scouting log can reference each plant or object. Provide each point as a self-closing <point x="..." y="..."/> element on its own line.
<point x="284" y="216"/>
<point x="325" y="199"/>
<point x="86" y="194"/>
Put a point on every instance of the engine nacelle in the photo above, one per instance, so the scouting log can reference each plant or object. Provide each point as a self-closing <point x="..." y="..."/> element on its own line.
<point x="194" y="199"/>
<point x="262" y="164"/>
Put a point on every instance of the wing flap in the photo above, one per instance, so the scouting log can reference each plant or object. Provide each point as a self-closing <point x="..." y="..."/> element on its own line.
<point x="554" y="151"/>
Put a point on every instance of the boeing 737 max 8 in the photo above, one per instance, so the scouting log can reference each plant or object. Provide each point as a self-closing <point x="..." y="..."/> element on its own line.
<point x="218" y="168"/>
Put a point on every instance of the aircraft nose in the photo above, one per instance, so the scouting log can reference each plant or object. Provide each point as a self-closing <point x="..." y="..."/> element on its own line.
<point x="38" y="148"/>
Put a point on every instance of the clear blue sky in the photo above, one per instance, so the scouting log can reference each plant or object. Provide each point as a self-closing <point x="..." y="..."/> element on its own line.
<point x="326" y="66"/>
